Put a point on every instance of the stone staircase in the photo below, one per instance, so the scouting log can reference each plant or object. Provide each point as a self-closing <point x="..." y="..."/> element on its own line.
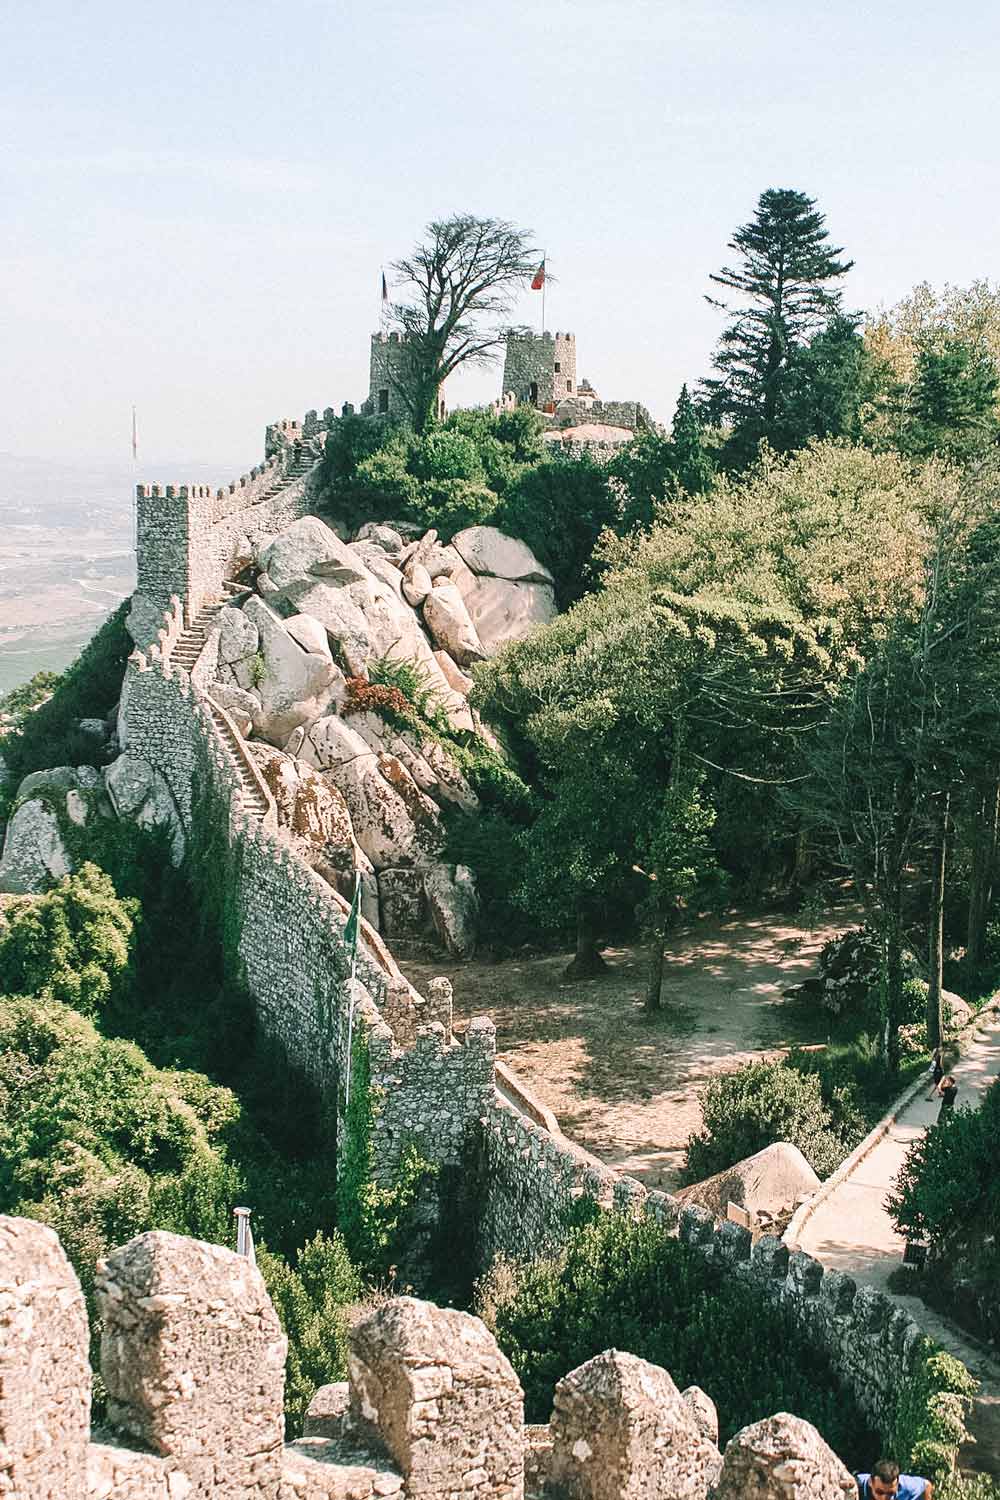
<point x="189" y="644"/>
<point x="251" y="796"/>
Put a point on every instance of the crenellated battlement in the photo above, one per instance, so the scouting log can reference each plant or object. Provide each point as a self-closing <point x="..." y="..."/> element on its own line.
<point x="192" y="1356"/>
<point x="191" y="536"/>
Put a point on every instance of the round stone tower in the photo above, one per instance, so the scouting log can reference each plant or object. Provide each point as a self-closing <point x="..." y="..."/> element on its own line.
<point x="540" y="368"/>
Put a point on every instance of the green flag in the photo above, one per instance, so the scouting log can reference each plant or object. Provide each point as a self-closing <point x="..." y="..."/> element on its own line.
<point x="351" y="940"/>
<point x="352" y="924"/>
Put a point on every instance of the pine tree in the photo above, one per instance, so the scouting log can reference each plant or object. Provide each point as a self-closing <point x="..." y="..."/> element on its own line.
<point x="783" y="283"/>
<point x="951" y="407"/>
<point x="693" y="469"/>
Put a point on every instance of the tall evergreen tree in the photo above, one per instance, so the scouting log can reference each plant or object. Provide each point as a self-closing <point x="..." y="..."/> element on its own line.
<point x="951" y="407"/>
<point x="830" y="381"/>
<point x="693" y="469"/>
<point x="783" y="297"/>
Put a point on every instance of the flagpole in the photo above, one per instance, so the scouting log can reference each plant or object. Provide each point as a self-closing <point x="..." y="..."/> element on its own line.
<point x="355" y="914"/>
<point x="545" y="278"/>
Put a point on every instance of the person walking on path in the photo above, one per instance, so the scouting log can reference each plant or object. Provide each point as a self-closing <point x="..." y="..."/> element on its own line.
<point x="946" y="1091"/>
<point x="937" y="1071"/>
<point x="885" y="1482"/>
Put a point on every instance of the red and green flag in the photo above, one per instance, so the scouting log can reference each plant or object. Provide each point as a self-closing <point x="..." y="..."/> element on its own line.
<point x="538" y="280"/>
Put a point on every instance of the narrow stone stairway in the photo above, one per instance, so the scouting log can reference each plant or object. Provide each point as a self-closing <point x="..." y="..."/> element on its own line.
<point x="251" y="796"/>
<point x="189" y="644"/>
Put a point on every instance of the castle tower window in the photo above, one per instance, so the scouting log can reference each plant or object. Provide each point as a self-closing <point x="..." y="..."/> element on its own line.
<point x="383" y="401"/>
<point x="569" y="385"/>
<point x="558" y="367"/>
<point x="534" y="392"/>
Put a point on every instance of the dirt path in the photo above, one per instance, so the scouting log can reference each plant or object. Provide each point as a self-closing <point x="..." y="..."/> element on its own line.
<point x="624" y="1084"/>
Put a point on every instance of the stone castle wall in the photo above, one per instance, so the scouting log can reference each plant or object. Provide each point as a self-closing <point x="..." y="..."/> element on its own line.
<point x="533" y="1178"/>
<point x="531" y="361"/>
<point x="289" y="939"/>
<point x="572" y="411"/>
<point x="192" y="1358"/>
<point x="189" y="535"/>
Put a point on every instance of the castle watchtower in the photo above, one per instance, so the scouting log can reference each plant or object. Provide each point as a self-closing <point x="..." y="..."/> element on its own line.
<point x="540" y="368"/>
<point x="387" y="375"/>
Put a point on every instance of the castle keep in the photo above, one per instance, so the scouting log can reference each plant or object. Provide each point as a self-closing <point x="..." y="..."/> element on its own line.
<point x="540" y="369"/>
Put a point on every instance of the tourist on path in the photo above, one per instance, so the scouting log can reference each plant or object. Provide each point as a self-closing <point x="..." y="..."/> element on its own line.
<point x="946" y="1091"/>
<point x="937" y="1071"/>
<point x="885" y="1482"/>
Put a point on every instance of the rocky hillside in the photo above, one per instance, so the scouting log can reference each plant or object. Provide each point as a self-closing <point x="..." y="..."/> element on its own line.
<point x="345" y="665"/>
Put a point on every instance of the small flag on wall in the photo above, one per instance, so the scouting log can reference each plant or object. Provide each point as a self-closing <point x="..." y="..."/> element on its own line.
<point x="538" y="280"/>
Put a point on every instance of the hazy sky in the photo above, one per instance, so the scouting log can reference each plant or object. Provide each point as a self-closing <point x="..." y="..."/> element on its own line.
<point x="196" y="197"/>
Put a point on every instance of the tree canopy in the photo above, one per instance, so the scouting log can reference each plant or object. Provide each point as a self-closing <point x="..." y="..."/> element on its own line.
<point x="784" y="294"/>
<point x="458" y="287"/>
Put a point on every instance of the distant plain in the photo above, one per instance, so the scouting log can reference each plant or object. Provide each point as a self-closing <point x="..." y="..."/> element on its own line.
<point x="67" y="554"/>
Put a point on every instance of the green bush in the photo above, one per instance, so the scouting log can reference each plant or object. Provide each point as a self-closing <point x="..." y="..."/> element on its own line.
<point x="72" y="945"/>
<point x="89" y="688"/>
<point x="310" y="1298"/>
<point x="623" y="1284"/>
<point x="948" y="1191"/>
<point x="756" y="1105"/>
<point x="96" y="1141"/>
<point x="559" y="508"/>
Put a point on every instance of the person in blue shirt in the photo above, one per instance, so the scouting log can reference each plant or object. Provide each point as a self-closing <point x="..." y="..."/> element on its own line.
<point x="885" y="1482"/>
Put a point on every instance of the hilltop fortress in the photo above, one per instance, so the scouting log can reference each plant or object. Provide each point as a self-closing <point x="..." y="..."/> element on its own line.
<point x="540" y="371"/>
<point x="192" y="1352"/>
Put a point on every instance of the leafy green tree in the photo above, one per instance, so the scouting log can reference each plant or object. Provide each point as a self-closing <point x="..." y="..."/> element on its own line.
<point x="559" y="508"/>
<point x="459" y="286"/>
<point x="784" y="295"/>
<point x="71" y="945"/>
<point x="948" y="1192"/>
<point x="679" y="861"/>
<point x="652" y="470"/>
<point x="832" y="382"/>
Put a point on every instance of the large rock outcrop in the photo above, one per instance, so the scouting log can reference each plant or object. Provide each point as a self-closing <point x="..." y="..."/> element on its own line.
<point x="46" y="836"/>
<point x="769" y="1182"/>
<point x="782" y="1458"/>
<point x="286" y="663"/>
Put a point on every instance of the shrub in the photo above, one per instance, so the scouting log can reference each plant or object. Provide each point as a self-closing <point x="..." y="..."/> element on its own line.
<point x="559" y="508"/>
<point x="310" y="1298"/>
<point x="89" y="688"/>
<point x="73" y="945"/>
<point x="948" y="1191"/>
<point x="623" y="1284"/>
<point x="753" y="1107"/>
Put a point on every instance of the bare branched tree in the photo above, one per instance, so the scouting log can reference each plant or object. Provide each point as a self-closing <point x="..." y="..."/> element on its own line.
<point x="459" y="287"/>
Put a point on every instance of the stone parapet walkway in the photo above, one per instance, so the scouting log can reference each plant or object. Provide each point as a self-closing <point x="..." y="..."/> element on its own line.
<point x="848" y="1229"/>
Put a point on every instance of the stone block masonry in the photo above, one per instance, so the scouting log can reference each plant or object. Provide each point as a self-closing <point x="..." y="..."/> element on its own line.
<point x="540" y="368"/>
<point x="192" y="1356"/>
<point x="533" y="1178"/>
<point x="289" y="937"/>
<point x="189" y="536"/>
